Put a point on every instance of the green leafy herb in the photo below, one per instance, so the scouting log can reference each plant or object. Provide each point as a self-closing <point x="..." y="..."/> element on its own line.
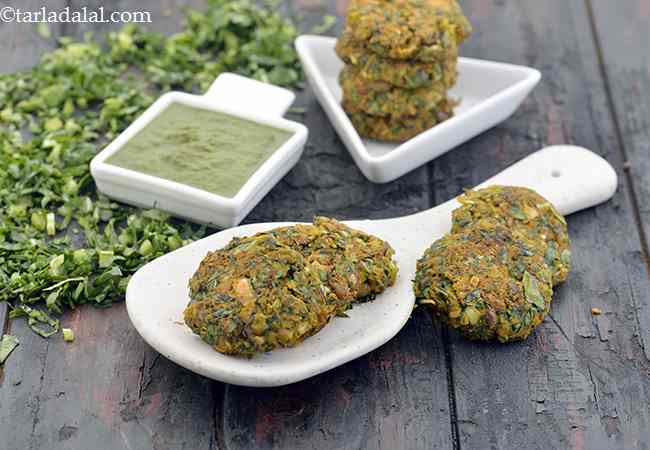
<point x="7" y="345"/>
<point x="68" y="334"/>
<point x="61" y="243"/>
<point x="328" y="23"/>
<point x="532" y="292"/>
<point x="518" y="213"/>
<point x="44" y="30"/>
<point x="40" y="322"/>
<point x="565" y="257"/>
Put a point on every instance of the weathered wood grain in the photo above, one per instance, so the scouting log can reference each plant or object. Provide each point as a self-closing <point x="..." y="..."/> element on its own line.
<point x="579" y="381"/>
<point x="627" y="73"/>
<point x="20" y="43"/>
<point x="105" y="390"/>
<point x="20" y="392"/>
<point x="4" y="312"/>
<point x="20" y="47"/>
<point x="395" y="397"/>
<point x="108" y="389"/>
<point x="165" y="15"/>
<point x="134" y="398"/>
<point x="326" y="181"/>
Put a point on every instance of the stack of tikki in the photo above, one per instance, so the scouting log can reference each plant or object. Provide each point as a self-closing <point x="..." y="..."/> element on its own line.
<point x="401" y="58"/>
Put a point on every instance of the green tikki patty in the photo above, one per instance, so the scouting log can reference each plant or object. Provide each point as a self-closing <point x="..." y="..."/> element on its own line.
<point x="381" y="99"/>
<point x="398" y="129"/>
<point x="277" y="288"/>
<point x="399" y="73"/>
<point x="413" y="30"/>
<point x="489" y="282"/>
<point x="525" y="210"/>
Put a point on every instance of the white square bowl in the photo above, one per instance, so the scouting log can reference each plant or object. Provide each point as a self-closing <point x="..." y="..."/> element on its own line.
<point x="489" y="92"/>
<point x="231" y="94"/>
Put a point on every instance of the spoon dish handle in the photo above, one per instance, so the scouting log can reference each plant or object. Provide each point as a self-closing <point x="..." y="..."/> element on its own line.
<point x="571" y="178"/>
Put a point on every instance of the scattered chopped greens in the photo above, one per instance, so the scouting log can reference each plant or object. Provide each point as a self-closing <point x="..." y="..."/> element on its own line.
<point x="7" y="345"/>
<point x="39" y="321"/>
<point x="68" y="334"/>
<point x="328" y="23"/>
<point x="61" y="243"/>
<point x="44" y="30"/>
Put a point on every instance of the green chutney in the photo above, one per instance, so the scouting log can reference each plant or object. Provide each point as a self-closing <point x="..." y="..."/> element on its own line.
<point x="205" y="149"/>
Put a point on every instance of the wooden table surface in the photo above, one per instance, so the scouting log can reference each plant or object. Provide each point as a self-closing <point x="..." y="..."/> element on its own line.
<point x="579" y="381"/>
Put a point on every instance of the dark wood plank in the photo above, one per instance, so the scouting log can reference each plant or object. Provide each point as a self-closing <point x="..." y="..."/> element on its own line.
<point x="20" y="43"/>
<point x="131" y="397"/>
<point x="395" y="397"/>
<point x="4" y="312"/>
<point x="579" y="381"/>
<point x="20" y="47"/>
<point x="621" y="31"/>
<point x="21" y="385"/>
<point x="165" y="14"/>
<point x="108" y="389"/>
<point x="326" y="181"/>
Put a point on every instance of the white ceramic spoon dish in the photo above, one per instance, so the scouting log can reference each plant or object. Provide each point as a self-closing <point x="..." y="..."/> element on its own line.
<point x="572" y="178"/>
<point x="489" y="93"/>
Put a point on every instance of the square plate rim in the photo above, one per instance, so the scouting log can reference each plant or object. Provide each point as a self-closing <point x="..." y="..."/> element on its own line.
<point x="110" y="173"/>
<point x="530" y="78"/>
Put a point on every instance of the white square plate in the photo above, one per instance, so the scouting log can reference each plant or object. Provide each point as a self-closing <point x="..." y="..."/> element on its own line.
<point x="232" y="94"/>
<point x="489" y="92"/>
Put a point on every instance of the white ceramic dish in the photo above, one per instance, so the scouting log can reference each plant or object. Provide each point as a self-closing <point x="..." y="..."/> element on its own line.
<point x="571" y="177"/>
<point x="489" y="92"/>
<point x="233" y="94"/>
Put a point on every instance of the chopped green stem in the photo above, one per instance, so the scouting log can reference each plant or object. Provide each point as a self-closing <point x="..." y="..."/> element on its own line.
<point x="62" y="244"/>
